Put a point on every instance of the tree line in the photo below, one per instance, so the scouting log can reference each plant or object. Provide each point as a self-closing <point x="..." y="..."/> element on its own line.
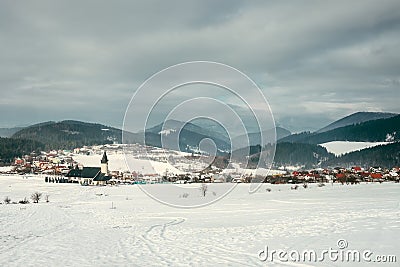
<point x="11" y="148"/>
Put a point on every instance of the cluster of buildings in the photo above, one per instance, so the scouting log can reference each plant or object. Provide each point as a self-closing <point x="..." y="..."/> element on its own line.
<point x="351" y="175"/>
<point x="59" y="166"/>
<point x="51" y="163"/>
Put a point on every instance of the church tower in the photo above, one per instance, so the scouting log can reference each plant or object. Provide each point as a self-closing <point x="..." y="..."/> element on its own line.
<point x="104" y="164"/>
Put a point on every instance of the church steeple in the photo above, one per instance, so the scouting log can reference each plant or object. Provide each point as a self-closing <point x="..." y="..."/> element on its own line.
<point x="104" y="159"/>
<point x="104" y="164"/>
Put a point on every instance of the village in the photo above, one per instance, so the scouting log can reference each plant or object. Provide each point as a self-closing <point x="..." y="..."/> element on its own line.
<point x="63" y="166"/>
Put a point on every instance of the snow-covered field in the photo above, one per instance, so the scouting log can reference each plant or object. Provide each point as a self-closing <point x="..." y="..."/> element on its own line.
<point x="342" y="147"/>
<point x="79" y="227"/>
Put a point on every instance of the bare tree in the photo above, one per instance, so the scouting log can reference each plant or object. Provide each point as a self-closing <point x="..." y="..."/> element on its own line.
<point x="203" y="189"/>
<point x="7" y="200"/>
<point x="36" y="197"/>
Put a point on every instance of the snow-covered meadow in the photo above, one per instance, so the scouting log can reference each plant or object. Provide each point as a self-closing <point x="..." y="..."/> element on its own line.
<point x="342" y="147"/>
<point x="122" y="226"/>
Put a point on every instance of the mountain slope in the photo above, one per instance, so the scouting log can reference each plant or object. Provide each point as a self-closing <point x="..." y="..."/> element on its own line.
<point x="355" y="118"/>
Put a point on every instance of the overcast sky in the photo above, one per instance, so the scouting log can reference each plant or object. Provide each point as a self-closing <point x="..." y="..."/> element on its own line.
<point x="316" y="61"/>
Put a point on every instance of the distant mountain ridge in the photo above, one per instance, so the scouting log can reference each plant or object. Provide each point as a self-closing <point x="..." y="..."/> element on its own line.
<point x="255" y="138"/>
<point x="355" y="118"/>
<point x="8" y="132"/>
<point x="168" y="133"/>
<point x="189" y="126"/>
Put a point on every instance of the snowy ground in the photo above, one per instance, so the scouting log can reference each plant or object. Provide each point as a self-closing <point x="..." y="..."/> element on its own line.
<point x="5" y="169"/>
<point x="342" y="147"/>
<point x="79" y="227"/>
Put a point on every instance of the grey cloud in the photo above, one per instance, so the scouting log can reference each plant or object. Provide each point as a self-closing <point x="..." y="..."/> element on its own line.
<point x="325" y="59"/>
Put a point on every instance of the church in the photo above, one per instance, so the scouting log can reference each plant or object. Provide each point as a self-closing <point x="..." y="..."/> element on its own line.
<point x="91" y="175"/>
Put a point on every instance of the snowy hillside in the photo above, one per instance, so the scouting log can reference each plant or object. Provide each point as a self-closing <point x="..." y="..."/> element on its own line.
<point x="117" y="162"/>
<point x="342" y="147"/>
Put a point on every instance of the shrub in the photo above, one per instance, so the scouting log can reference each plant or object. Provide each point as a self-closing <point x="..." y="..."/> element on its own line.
<point x="24" y="201"/>
<point x="36" y="197"/>
<point x="7" y="200"/>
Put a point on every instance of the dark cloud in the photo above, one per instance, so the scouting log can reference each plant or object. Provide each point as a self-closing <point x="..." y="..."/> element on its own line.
<point x="314" y="60"/>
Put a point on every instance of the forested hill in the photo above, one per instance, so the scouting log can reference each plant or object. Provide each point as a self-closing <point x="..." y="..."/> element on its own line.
<point x="370" y="131"/>
<point x="11" y="148"/>
<point x="69" y="134"/>
<point x="293" y="154"/>
<point x="387" y="156"/>
<point x="355" y="118"/>
<point x="311" y="155"/>
<point x="300" y="154"/>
